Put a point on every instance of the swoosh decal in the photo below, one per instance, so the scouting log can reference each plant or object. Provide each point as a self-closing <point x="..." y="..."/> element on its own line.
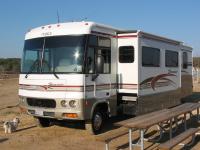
<point x="153" y="80"/>
<point x="158" y="77"/>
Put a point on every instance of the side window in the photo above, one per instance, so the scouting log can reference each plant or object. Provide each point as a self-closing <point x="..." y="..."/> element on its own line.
<point x="93" y="40"/>
<point x="171" y="58"/>
<point x="126" y="54"/>
<point x="150" y="57"/>
<point x="104" y="42"/>
<point x="185" y="60"/>
<point x="90" y="60"/>
<point x="98" y="46"/>
<point x="106" y="55"/>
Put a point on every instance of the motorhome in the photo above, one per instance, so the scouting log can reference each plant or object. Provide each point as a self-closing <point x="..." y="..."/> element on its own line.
<point x="87" y="71"/>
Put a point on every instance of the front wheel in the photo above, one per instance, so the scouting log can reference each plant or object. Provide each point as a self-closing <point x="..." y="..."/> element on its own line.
<point x="95" y="126"/>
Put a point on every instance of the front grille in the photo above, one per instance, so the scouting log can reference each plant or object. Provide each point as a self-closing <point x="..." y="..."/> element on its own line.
<point x="47" y="103"/>
<point x="50" y="114"/>
<point x="45" y="113"/>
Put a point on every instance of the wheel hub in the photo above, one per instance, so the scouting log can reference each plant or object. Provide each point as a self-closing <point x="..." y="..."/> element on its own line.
<point x="97" y="121"/>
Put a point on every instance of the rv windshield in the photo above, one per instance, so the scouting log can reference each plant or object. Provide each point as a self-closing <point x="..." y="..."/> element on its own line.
<point x="61" y="54"/>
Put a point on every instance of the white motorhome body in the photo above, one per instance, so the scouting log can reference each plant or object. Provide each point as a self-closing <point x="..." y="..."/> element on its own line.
<point x="157" y="77"/>
<point x="84" y="71"/>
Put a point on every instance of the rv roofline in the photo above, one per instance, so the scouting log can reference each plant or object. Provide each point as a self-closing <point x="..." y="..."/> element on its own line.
<point x="158" y="38"/>
<point x="91" y="26"/>
<point x="70" y="28"/>
<point x="127" y="31"/>
<point x="150" y="36"/>
<point x="187" y="47"/>
<point x="90" y="23"/>
<point x="99" y="25"/>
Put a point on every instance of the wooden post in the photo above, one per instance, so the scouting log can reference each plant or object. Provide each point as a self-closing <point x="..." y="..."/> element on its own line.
<point x="130" y="139"/>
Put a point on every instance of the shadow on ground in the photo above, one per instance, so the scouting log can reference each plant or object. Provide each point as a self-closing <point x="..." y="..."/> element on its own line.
<point x="3" y="140"/>
<point x="109" y="123"/>
<point x="195" y="97"/>
<point x="26" y="128"/>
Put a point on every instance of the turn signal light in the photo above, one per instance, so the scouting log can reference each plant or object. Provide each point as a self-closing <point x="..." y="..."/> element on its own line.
<point x="70" y="115"/>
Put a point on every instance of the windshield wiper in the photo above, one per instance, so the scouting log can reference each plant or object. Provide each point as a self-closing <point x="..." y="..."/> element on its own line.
<point x="36" y="62"/>
<point x="45" y="62"/>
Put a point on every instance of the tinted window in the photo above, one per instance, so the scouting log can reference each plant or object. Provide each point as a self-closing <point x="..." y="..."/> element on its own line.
<point x="99" y="41"/>
<point x="98" y="46"/>
<point x="171" y="58"/>
<point x="185" y="60"/>
<point x="105" y="53"/>
<point x="150" y="57"/>
<point x="93" y="40"/>
<point x="104" y="42"/>
<point x="126" y="54"/>
<point x="34" y="44"/>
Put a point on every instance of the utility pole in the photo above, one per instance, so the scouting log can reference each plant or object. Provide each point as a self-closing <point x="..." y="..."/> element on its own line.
<point x="58" y="17"/>
<point x="198" y="69"/>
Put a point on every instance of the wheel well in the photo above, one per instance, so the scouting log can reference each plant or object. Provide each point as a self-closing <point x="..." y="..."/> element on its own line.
<point x="103" y="107"/>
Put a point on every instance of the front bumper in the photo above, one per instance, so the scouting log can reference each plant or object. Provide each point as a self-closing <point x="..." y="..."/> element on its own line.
<point x="59" y="112"/>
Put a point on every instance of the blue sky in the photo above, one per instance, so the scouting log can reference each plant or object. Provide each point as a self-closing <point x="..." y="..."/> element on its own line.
<point x="177" y="19"/>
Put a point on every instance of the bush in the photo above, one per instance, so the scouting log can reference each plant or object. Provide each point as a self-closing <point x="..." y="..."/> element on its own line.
<point x="10" y="65"/>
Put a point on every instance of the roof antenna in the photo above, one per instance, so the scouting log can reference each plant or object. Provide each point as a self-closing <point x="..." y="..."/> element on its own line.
<point x="58" y="17"/>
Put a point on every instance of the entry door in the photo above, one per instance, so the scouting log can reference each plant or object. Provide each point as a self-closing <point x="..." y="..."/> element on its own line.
<point x="98" y="85"/>
<point x="127" y="69"/>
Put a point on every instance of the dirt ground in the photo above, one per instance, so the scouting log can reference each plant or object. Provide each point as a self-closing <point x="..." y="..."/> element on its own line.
<point x="62" y="136"/>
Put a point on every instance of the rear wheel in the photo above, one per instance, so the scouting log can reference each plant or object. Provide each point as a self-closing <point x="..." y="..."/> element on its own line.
<point x="95" y="126"/>
<point x="43" y="122"/>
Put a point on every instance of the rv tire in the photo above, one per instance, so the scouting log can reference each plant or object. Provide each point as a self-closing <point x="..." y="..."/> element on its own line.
<point x="95" y="125"/>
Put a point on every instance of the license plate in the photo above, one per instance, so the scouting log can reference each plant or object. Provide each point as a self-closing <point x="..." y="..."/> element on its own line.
<point x="39" y="112"/>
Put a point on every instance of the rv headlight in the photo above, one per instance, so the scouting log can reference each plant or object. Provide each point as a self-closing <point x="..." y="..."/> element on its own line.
<point x="63" y="103"/>
<point x="73" y="103"/>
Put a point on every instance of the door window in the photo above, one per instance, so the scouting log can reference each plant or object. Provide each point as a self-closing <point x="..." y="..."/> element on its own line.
<point x="126" y="54"/>
<point x="185" y="60"/>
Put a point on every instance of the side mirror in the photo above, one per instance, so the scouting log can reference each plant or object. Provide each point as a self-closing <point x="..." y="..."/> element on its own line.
<point x="99" y="64"/>
<point x="99" y="67"/>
